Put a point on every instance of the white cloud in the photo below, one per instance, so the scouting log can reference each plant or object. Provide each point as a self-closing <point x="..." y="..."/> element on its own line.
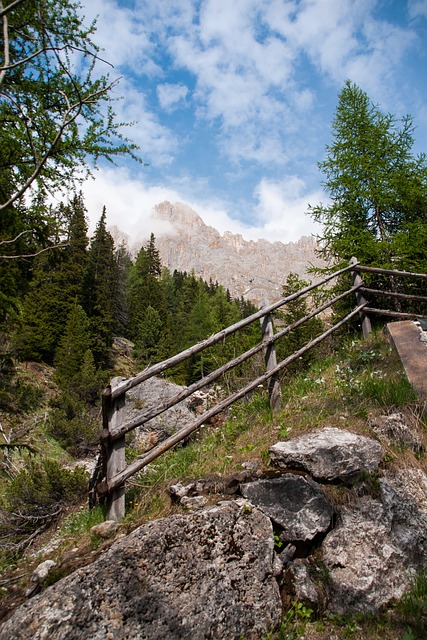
<point x="249" y="62"/>
<point x="158" y="144"/>
<point x="125" y="40"/>
<point x="129" y="203"/>
<point x="417" y="8"/>
<point x="171" y="95"/>
<point x="282" y="208"/>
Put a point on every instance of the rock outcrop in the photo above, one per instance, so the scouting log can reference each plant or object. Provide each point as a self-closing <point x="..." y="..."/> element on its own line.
<point x="222" y="572"/>
<point x="329" y="454"/>
<point x="150" y="394"/>
<point x="256" y="270"/>
<point x="377" y="545"/>
<point x="295" y="503"/>
<point x="206" y="575"/>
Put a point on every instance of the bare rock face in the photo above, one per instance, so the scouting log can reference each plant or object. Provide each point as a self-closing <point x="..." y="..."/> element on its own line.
<point x="378" y="544"/>
<point x="205" y="575"/>
<point x="256" y="270"/>
<point x="328" y="454"/>
<point x="295" y="503"/>
<point x="394" y="427"/>
<point x="144" y="398"/>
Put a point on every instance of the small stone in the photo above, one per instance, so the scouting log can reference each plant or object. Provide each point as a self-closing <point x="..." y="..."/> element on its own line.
<point x="105" y="529"/>
<point x="193" y="502"/>
<point x="41" y="572"/>
<point x="302" y="586"/>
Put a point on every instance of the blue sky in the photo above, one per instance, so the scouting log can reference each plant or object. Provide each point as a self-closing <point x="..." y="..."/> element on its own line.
<point x="233" y="101"/>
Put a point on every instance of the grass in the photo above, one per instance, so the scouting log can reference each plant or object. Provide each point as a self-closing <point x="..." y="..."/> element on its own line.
<point x="80" y="521"/>
<point x="341" y="389"/>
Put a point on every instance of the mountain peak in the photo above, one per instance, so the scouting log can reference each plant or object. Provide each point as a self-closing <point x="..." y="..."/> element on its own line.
<point x="178" y="214"/>
<point x="256" y="270"/>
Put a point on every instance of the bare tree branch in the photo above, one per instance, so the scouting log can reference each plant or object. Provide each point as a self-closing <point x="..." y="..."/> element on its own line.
<point x="6" y="43"/>
<point x="16" y="64"/>
<point x="33" y="255"/>
<point x="16" y="238"/>
<point x="10" y="7"/>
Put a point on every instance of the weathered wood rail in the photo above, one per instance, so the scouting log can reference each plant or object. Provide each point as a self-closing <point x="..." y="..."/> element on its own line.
<point x="108" y="480"/>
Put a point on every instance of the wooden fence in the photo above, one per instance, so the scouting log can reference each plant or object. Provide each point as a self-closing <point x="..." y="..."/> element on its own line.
<point x="111" y="473"/>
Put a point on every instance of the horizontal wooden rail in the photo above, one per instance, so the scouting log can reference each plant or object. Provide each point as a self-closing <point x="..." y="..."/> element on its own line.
<point x="119" y="479"/>
<point x="393" y="314"/>
<point x="394" y="294"/>
<point x="156" y="369"/>
<point x="121" y="430"/>
<point x="388" y="272"/>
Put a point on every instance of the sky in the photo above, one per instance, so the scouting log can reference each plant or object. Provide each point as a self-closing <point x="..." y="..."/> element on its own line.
<point x="232" y="102"/>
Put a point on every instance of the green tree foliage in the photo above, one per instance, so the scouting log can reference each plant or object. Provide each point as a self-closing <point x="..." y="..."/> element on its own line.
<point x="377" y="187"/>
<point x="100" y="287"/>
<point x="75" y="252"/>
<point x="72" y="424"/>
<point x="70" y="421"/>
<point x="124" y="263"/>
<point x="55" y="105"/>
<point x="24" y="229"/>
<point x="293" y="311"/>
<point x="56" y="285"/>
<point x="144" y="287"/>
<point x="44" y="310"/>
<point x="72" y="348"/>
<point x="42" y="487"/>
<point x="148" y="336"/>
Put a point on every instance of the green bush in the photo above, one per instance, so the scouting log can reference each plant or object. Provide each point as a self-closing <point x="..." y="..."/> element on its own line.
<point x="42" y="485"/>
<point x="72" y="425"/>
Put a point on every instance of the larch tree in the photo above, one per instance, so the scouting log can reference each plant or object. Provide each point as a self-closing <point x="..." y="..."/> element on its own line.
<point x="376" y="185"/>
<point x="55" y="114"/>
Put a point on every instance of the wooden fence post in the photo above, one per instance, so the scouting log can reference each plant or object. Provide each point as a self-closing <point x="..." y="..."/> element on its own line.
<point x="366" y="323"/>
<point x="271" y="362"/>
<point x="116" y="462"/>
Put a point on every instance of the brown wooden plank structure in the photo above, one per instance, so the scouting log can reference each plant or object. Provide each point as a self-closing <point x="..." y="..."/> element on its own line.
<point x="406" y="336"/>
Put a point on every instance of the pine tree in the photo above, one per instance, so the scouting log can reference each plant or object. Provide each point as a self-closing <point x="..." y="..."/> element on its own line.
<point x="124" y="264"/>
<point x="101" y="283"/>
<point x="148" y="337"/>
<point x="74" y="344"/>
<point x="145" y="287"/>
<point x="56" y="285"/>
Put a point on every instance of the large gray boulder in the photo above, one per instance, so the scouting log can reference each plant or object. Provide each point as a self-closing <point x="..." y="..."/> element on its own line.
<point x="378" y="545"/>
<point x="147" y="396"/>
<point x="295" y="503"/>
<point x="205" y="575"/>
<point x="328" y="454"/>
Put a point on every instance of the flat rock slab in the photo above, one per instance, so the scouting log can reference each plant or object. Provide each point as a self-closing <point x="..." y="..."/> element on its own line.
<point x="205" y="575"/>
<point x="328" y="454"/>
<point x="295" y="503"/>
<point x="407" y="338"/>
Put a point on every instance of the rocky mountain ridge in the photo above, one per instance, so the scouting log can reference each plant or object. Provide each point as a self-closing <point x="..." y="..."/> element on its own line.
<point x="256" y="270"/>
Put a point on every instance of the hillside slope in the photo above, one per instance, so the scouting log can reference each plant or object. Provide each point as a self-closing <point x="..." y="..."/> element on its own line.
<point x="351" y="386"/>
